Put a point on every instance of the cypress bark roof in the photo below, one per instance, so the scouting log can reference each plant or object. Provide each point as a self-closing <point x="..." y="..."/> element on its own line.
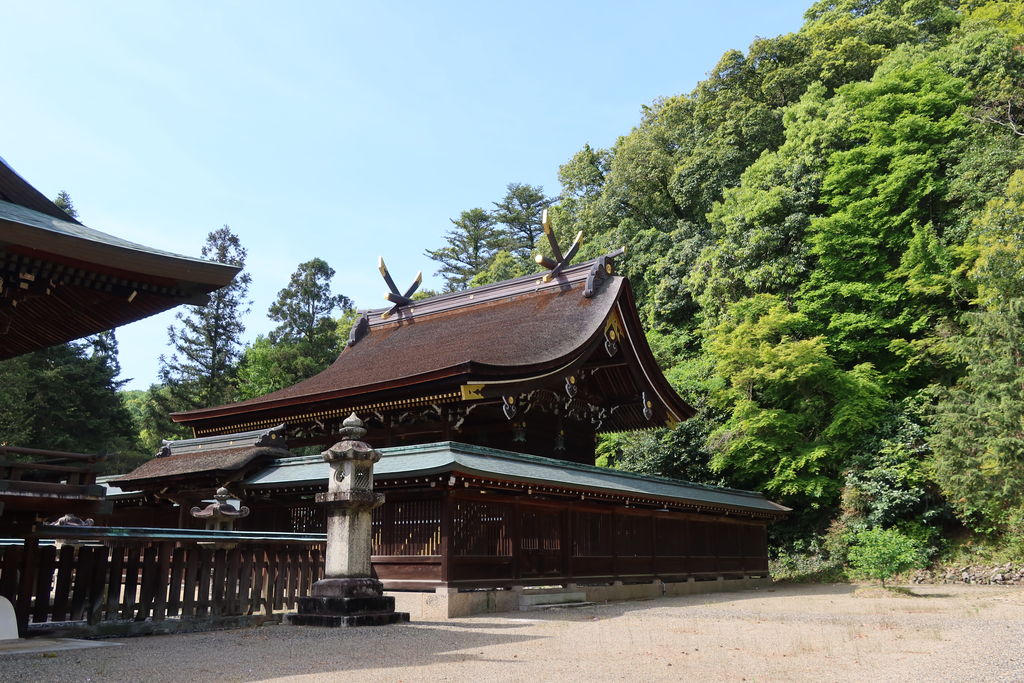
<point x="485" y="339"/>
<point x="215" y="457"/>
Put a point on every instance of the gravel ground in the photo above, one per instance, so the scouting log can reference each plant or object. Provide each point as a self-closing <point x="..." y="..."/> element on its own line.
<point x="789" y="633"/>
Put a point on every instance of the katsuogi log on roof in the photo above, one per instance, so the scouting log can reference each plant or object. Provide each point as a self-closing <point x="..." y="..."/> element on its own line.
<point x="530" y="364"/>
<point x="61" y="280"/>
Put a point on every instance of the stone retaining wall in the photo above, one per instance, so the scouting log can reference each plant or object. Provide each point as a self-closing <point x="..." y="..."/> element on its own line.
<point x="1006" y="575"/>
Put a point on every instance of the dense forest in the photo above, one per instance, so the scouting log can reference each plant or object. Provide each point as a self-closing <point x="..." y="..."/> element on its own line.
<point x="826" y="238"/>
<point x="826" y="241"/>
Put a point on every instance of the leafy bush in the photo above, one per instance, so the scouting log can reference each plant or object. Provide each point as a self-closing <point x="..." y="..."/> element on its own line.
<point x="806" y="568"/>
<point x="880" y="553"/>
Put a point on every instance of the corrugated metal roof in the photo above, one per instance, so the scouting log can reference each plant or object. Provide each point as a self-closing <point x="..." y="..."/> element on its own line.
<point x="436" y="458"/>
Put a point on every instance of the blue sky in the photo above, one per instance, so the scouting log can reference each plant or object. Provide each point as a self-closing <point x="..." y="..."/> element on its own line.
<point x="331" y="129"/>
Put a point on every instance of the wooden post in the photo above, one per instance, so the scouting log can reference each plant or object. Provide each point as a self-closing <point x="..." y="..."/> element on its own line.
<point x="26" y="584"/>
<point x="446" y="535"/>
<point x="44" y="583"/>
<point x="515" y="530"/>
<point x="163" y="584"/>
<point x="567" y="542"/>
<point x="94" y="609"/>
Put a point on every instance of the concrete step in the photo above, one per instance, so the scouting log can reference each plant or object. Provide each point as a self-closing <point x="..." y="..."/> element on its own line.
<point x="555" y="598"/>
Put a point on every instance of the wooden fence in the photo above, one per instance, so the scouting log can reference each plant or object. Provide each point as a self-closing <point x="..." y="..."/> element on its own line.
<point x="98" y="574"/>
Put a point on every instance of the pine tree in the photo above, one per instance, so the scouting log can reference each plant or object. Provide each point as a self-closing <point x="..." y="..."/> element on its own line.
<point x="64" y="203"/>
<point x="304" y="308"/>
<point x="519" y="214"/>
<point x="470" y="248"/>
<point x="201" y="371"/>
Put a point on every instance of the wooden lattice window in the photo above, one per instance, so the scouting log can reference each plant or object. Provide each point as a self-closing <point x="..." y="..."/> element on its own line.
<point x="540" y="530"/>
<point x="480" y="528"/>
<point x="407" y="527"/>
<point x="633" y="536"/>
<point x="307" y="519"/>
<point x="592" y="534"/>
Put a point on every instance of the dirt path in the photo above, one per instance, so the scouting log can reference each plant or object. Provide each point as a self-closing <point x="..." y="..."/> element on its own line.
<point x="795" y="633"/>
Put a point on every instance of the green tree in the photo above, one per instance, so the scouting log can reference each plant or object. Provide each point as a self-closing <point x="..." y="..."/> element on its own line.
<point x="504" y="266"/>
<point x="979" y="421"/>
<point x="305" y="308"/>
<point x="519" y="213"/>
<point x="64" y="203"/>
<point x="794" y="417"/>
<point x="680" y="452"/>
<point x="64" y="398"/>
<point x="470" y="247"/>
<point x="880" y="553"/>
<point x="201" y="370"/>
<point x="307" y="339"/>
<point x="884" y="194"/>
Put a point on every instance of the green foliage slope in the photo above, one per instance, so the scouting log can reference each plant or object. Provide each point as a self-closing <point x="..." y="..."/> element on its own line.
<point x="825" y="243"/>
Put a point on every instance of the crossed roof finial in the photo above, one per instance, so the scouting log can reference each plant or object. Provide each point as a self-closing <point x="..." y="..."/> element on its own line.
<point x="561" y="261"/>
<point x="393" y="296"/>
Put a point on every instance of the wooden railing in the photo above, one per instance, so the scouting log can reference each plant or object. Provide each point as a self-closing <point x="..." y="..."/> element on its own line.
<point x="54" y="467"/>
<point x="98" y="574"/>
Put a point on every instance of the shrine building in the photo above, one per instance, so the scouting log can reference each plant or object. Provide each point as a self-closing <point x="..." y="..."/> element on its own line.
<point x="487" y="404"/>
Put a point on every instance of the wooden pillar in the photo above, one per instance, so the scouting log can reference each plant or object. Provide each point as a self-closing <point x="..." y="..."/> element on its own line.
<point x="567" y="541"/>
<point x="447" y="510"/>
<point x="615" y="543"/>
<point x="654" y="544"/>
<point x="516" y="534"/>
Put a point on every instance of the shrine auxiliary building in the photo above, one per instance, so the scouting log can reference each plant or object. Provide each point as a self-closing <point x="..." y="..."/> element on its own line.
<point x="486" y="404"/>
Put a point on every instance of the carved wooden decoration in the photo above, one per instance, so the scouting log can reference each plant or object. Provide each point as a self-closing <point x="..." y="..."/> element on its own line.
<point x="508" y="406"/>
<point x="570" y="386"/>
<point x="648" y="406"/>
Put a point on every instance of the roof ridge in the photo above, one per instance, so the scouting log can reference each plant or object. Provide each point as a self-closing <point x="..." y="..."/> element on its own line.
<point x="474" y="296"/>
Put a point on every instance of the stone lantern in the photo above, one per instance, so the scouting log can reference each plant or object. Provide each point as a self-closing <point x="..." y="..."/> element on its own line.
<point x="348" y="595"/>
<point x="220" y="515"/>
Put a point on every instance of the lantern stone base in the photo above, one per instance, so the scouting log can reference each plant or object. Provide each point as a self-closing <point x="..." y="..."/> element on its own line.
<point x="347" y="602"/>
<point x="348" y="588"/>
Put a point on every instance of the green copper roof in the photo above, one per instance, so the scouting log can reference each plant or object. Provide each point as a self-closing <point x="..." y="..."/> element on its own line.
<point x="437" y="458"/>
<point x="16" y="213"/>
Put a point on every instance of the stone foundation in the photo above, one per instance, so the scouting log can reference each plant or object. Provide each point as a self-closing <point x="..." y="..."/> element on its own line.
<point x="449" y="603"/>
